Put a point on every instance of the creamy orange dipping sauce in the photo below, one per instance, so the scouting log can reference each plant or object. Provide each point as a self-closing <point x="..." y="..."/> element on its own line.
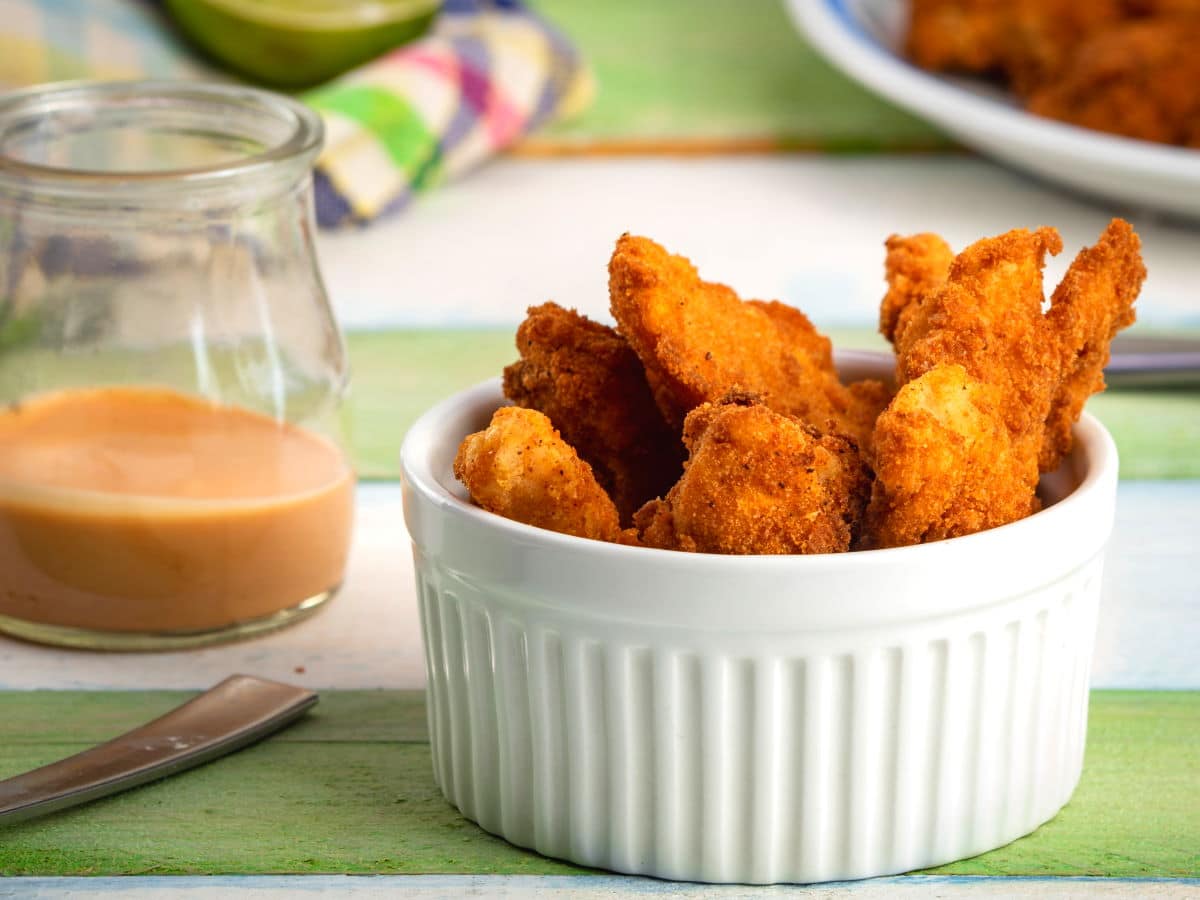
<point x="146" y="510"/>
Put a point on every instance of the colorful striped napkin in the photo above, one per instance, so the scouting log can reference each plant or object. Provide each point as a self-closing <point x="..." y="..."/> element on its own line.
<point x="490" y="72"/>
<point x="107" y="40"/>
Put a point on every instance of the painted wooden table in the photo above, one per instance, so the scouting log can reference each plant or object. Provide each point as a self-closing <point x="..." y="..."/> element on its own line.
<point x="430" y="300"/>
<point x="351" y="790"/>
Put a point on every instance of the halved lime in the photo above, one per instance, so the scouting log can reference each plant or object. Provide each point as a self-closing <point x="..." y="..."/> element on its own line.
<point x="300" y="43"/>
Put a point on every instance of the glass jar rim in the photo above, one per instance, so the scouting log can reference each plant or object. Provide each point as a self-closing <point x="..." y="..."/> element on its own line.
<point x="305" y="131"/>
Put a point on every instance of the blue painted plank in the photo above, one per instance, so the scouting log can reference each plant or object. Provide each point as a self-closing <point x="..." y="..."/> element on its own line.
<point x="600" y="887"/>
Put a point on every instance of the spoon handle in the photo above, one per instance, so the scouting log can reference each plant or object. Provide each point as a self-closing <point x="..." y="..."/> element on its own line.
<point x="238" y="711"/>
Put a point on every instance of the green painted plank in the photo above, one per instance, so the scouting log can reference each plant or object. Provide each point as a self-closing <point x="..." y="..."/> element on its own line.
<point x="1157" y="432"/>
<point x="677" y="70"/>
<point x="95" y="716"/>
<point x="279" y="807"/>
<point x="350" y="791"/>
<point x="1135" y="812"/>
<point x="399" y="374"/>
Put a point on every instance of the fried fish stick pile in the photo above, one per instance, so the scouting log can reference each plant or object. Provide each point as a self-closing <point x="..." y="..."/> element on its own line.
<point x="1124" y="66"/>
<point x="1026" y="40"/>
<point x="698" y="341"/>
<point x="1139" y="80"/>
<point x="759" y="482"/>
<point x="585" y="377"/>
<point x="779" y="473"/>
<point x="520" y="467"/>
<point x="989" y="384"/>
<point x="782" y="458"/>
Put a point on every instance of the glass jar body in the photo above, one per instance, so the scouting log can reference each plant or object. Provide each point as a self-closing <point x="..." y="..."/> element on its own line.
<point x="171" y="367"/>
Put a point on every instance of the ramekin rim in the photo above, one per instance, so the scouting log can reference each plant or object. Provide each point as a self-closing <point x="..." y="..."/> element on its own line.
<point x="416" y="470"/>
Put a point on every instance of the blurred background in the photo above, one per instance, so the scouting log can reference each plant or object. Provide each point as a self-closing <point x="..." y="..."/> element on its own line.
<point x="483" y="156"/>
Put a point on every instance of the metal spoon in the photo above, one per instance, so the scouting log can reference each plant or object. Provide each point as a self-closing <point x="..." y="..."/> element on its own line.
<point x="1139" y="362"/>
<point x="237" y="712"/>
<point x="1149" y="362"/>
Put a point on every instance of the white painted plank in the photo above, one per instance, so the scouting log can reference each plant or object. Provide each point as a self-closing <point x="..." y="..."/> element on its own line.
<point x="366" y="637"/>
<point x="370" y="637"/>
<point x="1149" y="625"/>
<point x="599" y="887"/>
<point x="803" y="228"/>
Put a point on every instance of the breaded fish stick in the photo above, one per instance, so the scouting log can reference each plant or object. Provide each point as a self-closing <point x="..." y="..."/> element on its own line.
<point x="991" y="385"/>
<point x="520" y="468"/>
<point x="915" y="266"/>
<point x="698" y="341"/>
<point x="585" y="377"/>
<point x="945" y="464"/>
<point x="1092" y="303"/>
<point x="759" y="482"/>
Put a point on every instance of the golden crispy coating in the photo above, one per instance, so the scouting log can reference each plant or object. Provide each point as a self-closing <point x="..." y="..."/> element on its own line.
<point x="959" y="35"/>
<point x="1124" y="66"/>
<point x="1092" y="303"/>
<point x="759" y="482"/>
<point x="780" y="453"/>
<point x="698" y="341"/>
<point x="985" y="412"/>
<point x="1138" y="80"/>
<point x="520" y="468"/>
<point x="1026" y="40"/>
<point x="915" y="265"/>
<point x="869" y="398"/>
<point x="585" y="377"/>
<point x="945" y="464"/>
<point x="960" y="450"/>
<point x="1040" y="37"/>
<point x="987" y="317"/>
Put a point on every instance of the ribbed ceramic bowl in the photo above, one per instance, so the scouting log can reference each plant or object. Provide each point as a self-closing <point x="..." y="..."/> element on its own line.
<point x="755" y="719"/>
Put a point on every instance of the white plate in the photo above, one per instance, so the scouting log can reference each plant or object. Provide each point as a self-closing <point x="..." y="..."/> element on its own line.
<point x="861" y="38"/>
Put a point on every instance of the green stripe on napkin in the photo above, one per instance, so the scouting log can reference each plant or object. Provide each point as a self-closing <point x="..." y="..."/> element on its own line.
<point x="390" y="119"/>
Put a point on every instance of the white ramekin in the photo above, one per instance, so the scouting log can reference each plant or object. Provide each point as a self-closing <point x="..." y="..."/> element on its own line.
<point x="755" y="719"/>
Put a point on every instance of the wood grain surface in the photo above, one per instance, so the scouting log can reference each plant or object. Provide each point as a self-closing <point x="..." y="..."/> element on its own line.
<point x="398" y="374"/>
<point x="350" y="790"/>
<point x="718" y="76"/>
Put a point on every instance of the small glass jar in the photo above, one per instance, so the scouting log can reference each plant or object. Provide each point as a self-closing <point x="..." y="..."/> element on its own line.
<point x="172" y="463"/>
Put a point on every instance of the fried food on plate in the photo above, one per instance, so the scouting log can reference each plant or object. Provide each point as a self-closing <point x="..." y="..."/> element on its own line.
<point x="698" y="340"/>
<point x="1090" y="305"/>
<point x="1026" y="40"/>
<point x="520" y="468"/>
<point x="945" y="464"/>
<point x="962" y="450"/>
<point x="1139" y="80"/>
<point x="759" y="482"/>
<point x="956" y="35"/>
<point x="585" y="377"/>
<point x="915" y="265"/>
<point x="1127" y="67"/>
<point x="1040" y="37"/>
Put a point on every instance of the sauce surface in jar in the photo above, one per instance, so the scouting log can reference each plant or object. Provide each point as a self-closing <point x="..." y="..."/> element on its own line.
<point x="128" y="509"/>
